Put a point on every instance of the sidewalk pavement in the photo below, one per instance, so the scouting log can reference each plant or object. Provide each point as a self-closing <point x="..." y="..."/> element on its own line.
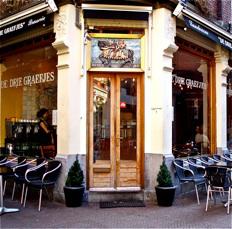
<point x="185" y="213"/>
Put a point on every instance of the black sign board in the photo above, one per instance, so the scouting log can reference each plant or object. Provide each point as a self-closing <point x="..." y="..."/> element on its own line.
<point x="208" y="33"/>
<point x="23" y="25"/>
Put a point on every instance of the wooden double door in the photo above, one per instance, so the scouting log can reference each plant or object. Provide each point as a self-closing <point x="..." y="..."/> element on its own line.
<point x="115" y="131"/>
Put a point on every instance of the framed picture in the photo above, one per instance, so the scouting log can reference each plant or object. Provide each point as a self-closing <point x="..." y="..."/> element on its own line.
<point x="116" y="52"/>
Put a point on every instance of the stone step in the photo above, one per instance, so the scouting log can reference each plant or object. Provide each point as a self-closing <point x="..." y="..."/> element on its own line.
<point x="97" y="196"/>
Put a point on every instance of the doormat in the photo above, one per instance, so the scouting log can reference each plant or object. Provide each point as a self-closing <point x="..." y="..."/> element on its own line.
<point x="122" y="203"/>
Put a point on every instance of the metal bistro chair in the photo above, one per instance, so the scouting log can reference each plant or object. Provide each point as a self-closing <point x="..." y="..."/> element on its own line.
<point x="197" y="169"/>
<point x="226" y="157"/>
<point x="48" y="178"/>
<point x="216" y="158"/>
<point x="205" y="161"/>
<point x="12" y="163"/>
<point x="3" y="159"/>
<point x="186" y="175"/>
<point x="19" y="174"/>
<point x="218" y="178"/>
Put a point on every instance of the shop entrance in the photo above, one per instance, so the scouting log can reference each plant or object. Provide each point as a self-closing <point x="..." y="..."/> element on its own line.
<point x="115" y="131"/>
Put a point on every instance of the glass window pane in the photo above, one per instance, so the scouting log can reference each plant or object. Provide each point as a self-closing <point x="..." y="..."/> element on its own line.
<point x="101" y="118"/>
<point x="128" y="117"/>
<point x="190" y="102"/>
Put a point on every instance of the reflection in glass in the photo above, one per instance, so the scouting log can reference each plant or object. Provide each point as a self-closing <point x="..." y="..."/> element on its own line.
<point x="128" y="115"/>
<point x="101" y="118"/>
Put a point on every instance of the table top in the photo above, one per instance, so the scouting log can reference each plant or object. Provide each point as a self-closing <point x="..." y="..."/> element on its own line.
<point x="5" y="170"/>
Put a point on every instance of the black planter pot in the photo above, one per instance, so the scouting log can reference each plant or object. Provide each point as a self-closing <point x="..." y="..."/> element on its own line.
<point x="73" y="196"/>
<point x="165" y="195"/>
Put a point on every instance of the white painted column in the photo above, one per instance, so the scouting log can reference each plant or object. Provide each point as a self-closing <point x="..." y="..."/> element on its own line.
<point x="221" y="57"/>
<point x="158" y="97"/>
<point x="163" y="47"/>
<point x="68" y="45"/>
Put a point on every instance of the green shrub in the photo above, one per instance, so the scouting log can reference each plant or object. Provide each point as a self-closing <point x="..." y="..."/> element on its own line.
<point x="164" y="177"/>
<point x="75" y="175"/>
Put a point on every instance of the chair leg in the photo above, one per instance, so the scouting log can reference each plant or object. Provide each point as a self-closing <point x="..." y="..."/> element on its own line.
<point x="22" y="194"/>
<point x="229" y="196"/>
<point x="40" y="197"/>
<point x="4" y="188"/>
<point x="198" y="202"/>
<point x="13" y="192"/>
<point x="25" y="198"/>
<point x="207" y="200"/>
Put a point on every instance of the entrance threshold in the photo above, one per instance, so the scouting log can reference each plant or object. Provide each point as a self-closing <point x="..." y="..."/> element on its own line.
<point x="119" y="189"/>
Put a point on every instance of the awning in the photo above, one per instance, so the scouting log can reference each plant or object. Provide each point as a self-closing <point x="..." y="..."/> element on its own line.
<point x="47" y="6"/>
<point x="204" y="27"/>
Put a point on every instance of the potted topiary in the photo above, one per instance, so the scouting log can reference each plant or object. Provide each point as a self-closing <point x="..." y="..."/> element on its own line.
<point x="74" y="188"/>
<point x="165" y="191"/>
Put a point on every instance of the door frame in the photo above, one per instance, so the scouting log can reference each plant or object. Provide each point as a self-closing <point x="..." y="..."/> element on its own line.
<point x="115" y="130"/>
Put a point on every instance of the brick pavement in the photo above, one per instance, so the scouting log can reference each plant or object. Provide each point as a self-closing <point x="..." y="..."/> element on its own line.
<point x="185" y="213"/>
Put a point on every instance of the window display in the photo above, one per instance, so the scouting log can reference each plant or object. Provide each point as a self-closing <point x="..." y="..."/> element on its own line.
<point x="28" y="83"/>
<point x="190" y="101"/>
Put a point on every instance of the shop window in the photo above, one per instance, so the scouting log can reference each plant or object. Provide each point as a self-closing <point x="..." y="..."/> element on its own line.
<point x="229" y="111"/>
<point x="190" y="87"/>
<point x="28" y="83"/>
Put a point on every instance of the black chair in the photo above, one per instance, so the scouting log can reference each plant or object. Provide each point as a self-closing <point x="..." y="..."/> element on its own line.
<point x="197" y="169"/>
<point x="216" y="158"/>
<point x="218" y="179"/>
<point x="12" y="163"/>
<point x="3" y="159"/>
<point x="51" y="170"/>
<point x="19" y="174"/>
<point x="226" y="157"/>
<point x="186" y="175"/>
<point x="205" y="161"/>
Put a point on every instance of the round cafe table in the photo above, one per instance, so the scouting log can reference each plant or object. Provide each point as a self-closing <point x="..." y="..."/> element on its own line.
<point x="3" y="171"/>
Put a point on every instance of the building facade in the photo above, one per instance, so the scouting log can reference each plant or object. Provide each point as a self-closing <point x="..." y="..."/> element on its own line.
<point x="129" y="84"/>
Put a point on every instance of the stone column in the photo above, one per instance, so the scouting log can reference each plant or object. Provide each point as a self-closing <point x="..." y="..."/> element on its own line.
<point x="68" y="44"/>
<point x="221" y="56"/>
<point x="159" y="126"/>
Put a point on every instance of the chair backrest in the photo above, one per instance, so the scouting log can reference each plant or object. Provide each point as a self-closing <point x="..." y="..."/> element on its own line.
<point x="53" y="171"/>
<point x="192" y="160"/>
<point x="21" y="160"/>
<point x="3" y="159"/>
<point x="217" y="157"/>
<point x="36" y="172"/>
<point x="192" y="163"/>
<point x="227" y="155"/>
<point x="217" y="176"/>
<point x="40" y="160"/>
<point x="179" y="164"/>
<point x="204" y="158"/>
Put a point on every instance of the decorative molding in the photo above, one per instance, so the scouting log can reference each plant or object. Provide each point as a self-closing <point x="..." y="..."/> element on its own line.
<point x="61" y="47"/>
<point x="221" y="55"/>
<point x="170" y="49"/>
<point x="168" y="69"/>
<point x="62" y="66"/>
<point x="60" y="25"/>
<point x="171" y="28"/>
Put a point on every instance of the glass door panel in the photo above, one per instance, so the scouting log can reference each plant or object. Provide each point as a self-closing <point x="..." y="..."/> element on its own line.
<point x="128" y="118"/>
<point x="101" y="118"/>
